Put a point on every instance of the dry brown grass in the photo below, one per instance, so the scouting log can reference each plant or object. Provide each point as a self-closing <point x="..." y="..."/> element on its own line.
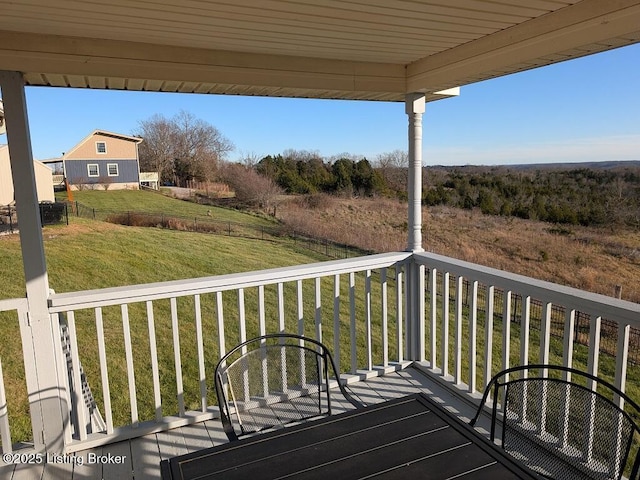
<point x="591" y="259"/>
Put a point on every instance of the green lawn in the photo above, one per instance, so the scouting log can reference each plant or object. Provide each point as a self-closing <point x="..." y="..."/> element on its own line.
<point x="151" y="202"/>
<point x="87" y="255"/>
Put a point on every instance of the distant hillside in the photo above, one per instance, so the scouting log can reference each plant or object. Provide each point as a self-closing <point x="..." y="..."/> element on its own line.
<point x="608" y="165"/>
<point x="590" y="193"/>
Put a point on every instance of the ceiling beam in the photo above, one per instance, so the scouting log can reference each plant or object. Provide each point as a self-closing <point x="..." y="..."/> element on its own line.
<point x="64" y="55"/>
<point x="573" y="27"/>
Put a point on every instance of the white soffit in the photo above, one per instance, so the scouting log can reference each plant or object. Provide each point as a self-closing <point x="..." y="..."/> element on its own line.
<point x="348" y="49"/>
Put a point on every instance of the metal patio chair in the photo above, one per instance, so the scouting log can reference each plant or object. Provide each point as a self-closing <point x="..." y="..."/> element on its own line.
<point x="273" y="380"/>
<point x="564" y="423"/>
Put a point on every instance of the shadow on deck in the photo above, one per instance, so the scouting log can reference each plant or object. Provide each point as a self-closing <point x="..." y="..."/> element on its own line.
<point x="140" y="458"/>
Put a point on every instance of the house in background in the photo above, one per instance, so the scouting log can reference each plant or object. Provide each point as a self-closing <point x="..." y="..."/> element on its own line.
<point x="57" y="167"/>
<point x="103" y="160"/>
<point x="44" y="179"/>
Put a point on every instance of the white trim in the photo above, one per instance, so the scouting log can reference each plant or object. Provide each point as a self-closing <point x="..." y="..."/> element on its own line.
<point x="89" y="165"/>
<point x="62" y="302"/>
<point x="109" y="165"/>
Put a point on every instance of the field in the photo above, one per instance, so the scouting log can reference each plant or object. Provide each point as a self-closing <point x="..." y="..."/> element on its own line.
<point x="589" y="258"/>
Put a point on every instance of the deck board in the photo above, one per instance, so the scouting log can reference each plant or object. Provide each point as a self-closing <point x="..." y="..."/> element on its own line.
<point x="216" y="433"/>
<point x="58" y="471"/>
<point x="87" y="470"/>
<point x="6" y="471"/>
<point x="117" y="471"/>
<point x="143" y="454"/>
<point x="146" y="457"/>
<point x="28" y="472"/>
<point x="171" y="443"/>
<point x="196" y="437"/>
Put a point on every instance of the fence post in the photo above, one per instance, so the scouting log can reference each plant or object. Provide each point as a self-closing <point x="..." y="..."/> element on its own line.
<point x="10" y="220"/>
<point x="94" y="213"/>
<point x="77" y="209"/>
<point x="229" y="228"/>
<point x="66" y="212"/>
<point x="129" y="218"/>
<point x="618" y="292"/>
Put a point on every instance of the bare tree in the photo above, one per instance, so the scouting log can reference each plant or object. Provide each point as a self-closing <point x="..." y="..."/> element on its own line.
<point x="394" y="167"/>
<point x="249" y="159"/>
<point x="156" y="151"/>
<point x="303" y="155"/>
<point x="182" y="148"/>
<point x="199" y="145"/>
<point x="250" y="187"/>
<point x="355" y="158"/>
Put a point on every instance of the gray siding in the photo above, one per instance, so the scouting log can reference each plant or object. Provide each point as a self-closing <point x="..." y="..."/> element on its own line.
<point x="76" y="171"/>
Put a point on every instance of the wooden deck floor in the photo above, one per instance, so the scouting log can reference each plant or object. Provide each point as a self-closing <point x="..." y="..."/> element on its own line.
<point x="141" y="456"/>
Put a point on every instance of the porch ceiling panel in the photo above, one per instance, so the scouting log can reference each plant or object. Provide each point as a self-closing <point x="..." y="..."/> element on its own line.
<point x="351" y="49"/>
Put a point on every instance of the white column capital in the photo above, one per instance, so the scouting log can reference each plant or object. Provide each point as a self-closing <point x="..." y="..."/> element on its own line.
<point x="414" y="103"/>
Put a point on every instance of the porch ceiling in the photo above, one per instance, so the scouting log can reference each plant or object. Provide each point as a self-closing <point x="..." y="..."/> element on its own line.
<point x="348" y="49"/>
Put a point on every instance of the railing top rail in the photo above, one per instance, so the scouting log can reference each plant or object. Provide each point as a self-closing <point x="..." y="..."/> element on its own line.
<point x="178" y="288"/>
<point x="587" y="302"/>
<point x="13" y="304"/>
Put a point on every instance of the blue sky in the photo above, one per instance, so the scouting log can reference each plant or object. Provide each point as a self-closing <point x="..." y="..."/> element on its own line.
<point x="582" y="110"/>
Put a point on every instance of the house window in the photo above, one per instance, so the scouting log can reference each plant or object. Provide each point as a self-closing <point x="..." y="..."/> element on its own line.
<point x="93" y="170"/>
<point x="101" y="147"/>
<point x="112" y="169"/>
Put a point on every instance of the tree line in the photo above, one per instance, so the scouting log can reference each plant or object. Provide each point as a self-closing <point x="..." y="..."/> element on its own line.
<point x="301" y="172"/>
<point x="184" y="148"/>
<point x="576" y="196"/>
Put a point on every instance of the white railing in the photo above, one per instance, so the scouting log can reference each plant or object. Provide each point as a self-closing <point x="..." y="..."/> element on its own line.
<point x="149" y="351"/>
<point x="17" y="307"/>
<point x="475" y="315"/>
<point x="141" y="358"/>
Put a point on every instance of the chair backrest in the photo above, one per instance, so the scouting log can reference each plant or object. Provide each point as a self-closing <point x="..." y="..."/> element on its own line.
<point x="273" y="380"/>
<point x="564" y="423"/>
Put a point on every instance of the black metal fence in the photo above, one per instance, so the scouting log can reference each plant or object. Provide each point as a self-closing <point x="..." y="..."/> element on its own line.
<point x="206" y="224"/>
<point x="51" y="213"/>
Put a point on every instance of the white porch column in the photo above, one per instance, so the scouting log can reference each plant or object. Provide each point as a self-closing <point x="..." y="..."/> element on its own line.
<point x="415" y="107"/>
<point x="45" y="392"/>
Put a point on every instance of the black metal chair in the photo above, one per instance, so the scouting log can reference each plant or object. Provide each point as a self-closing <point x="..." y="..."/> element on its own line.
<point x="564" y="423"/>
<point x="274" y="380"/>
